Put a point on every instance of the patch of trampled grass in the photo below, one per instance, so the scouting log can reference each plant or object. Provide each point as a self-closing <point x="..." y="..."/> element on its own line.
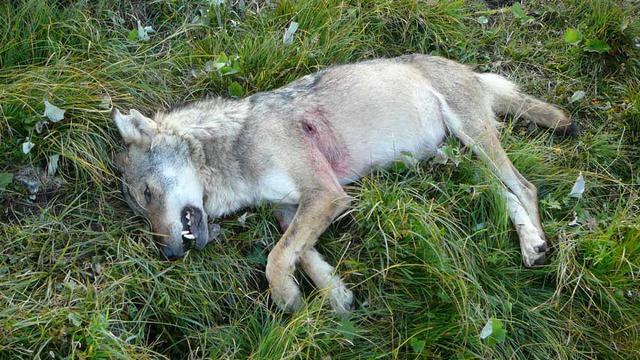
<point x="428" y="249"/>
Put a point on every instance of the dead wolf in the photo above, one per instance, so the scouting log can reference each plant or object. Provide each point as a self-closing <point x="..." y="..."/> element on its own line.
<point x="298" y="145"/>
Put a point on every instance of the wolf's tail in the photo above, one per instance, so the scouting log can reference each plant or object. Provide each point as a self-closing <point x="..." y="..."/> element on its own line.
<point x="507" y="99"/>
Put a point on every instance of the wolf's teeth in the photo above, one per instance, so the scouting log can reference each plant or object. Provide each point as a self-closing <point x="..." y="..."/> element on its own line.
<point x="189" y="222"/>
<point x="189" y="236"/>
<point x="185" y="232"/>
<point x="188" y="216"/>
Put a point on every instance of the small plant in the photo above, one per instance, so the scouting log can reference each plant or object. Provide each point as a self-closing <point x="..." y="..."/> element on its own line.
<point x="519" y="14"/>
<point x="493" y="332"/>
<point x="574" y="37"/>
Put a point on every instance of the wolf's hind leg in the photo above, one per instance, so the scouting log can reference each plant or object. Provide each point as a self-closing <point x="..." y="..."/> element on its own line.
<point x="321" y="273"/>
<point x="521" y="196"/>
<point x="532" y="246"/>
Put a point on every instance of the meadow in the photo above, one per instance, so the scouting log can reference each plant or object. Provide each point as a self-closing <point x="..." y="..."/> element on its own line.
<point x="427" y="248"/>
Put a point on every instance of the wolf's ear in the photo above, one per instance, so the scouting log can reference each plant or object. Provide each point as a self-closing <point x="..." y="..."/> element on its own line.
<point x="135" y="127"/>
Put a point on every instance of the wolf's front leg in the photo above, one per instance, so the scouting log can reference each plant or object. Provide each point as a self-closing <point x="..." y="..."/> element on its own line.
<point x="316" y="211"/>
<point x="321" y="273"/>
<point x="327" y="281"/>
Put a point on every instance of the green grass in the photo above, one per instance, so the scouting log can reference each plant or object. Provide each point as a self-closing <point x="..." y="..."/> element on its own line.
<point x="428" y="250"/>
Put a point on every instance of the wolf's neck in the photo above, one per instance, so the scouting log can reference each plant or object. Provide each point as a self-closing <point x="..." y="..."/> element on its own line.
<point x="228" y="187"/>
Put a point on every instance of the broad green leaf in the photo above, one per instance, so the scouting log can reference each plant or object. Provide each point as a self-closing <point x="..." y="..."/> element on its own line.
<point x="417" y="345"/>
<point x="597" y="46"/>
<point x="228" y="70"/>
<point x="5" y="179"/>
<point x="347" y="328"/>
<point x="235" y="89"/>
<point x="517" y="10"/>
<point x="493" y="332"/>
<point x="133" y="35"/>
<point x="572" y="36"/>
<point x="519" y="13"/>
<point x="221" y="61"/>
<point x="52" y="112"/>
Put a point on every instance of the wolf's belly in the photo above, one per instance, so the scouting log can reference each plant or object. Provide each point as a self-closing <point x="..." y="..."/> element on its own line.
<point x="416" y="131"/>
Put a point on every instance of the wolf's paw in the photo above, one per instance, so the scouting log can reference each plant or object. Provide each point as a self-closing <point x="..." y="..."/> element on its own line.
<point x="287" y="296"/>
<point x="533" y="250"/>
<point x="341" y="299"/>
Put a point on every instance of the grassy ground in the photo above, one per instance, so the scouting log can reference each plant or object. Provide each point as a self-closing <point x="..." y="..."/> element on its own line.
<point x="428" y="249"/>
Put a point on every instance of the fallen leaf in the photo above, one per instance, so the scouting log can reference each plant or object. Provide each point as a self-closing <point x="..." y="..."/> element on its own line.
<point x="574" y="222"/>
<point x="52" y="166"/>
<point x="74" y="319"/>
<point x="591" y="223"/>
<point x="27" y="146"/>
<point x="243" y="218"/>
<point x="96" y="267"/>
<point x="288" y="34"/>
<point x="52" y="112"/>
<point x="487" y="330"/>
<point x="40" y="126"/>
<point x="577" y="96"/>
<point x="144" y="31"/>
<point x="578" y="187"/>
<point x="105" y="102"/>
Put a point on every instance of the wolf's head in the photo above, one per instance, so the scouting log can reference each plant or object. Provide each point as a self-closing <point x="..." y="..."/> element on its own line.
<point x="160" y="181"/>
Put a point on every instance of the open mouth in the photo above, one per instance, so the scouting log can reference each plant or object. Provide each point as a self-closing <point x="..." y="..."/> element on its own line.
<point x="196" y="233"/>
<point x="189" y="226"/>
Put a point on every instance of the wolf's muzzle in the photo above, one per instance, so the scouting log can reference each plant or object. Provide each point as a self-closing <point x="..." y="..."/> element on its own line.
<point x="195" y="233"/>
<point x="172" y="253"/>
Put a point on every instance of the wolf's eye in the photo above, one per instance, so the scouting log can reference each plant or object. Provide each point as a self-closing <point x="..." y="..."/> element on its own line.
<point x="147" y="194"/>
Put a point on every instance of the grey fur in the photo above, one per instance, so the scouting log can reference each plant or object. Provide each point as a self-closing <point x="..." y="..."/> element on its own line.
<point x="296" y="146"/>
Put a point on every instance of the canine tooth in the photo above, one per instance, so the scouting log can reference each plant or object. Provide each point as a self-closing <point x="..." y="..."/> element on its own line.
<point x="190" y="236"/>
<point x="188" y="216"/>
<point x="189" y="222"/>
<point x="185" y="232"/>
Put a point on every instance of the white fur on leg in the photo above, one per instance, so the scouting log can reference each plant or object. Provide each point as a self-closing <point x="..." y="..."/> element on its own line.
<point x="322" y="274"/>
<point x="532" y="245"/>
<point x="284" y="289"/>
